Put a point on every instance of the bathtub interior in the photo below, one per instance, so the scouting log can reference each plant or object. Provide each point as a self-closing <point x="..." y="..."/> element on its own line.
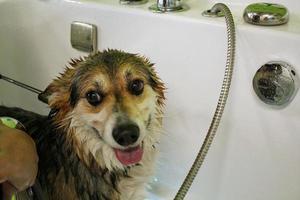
<point x="255" y="153"/>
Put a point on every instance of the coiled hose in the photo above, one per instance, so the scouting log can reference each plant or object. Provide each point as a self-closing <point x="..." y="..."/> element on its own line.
<point x="219" y="7"/>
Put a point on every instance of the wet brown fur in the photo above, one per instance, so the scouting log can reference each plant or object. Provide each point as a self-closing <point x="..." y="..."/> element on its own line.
<point x="115" y="64"/>
<point x="61" y="85"/>
<point x="73" y="173"/>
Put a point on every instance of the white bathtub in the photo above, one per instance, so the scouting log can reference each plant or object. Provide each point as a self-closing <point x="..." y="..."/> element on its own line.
<point x="256" y="152"/>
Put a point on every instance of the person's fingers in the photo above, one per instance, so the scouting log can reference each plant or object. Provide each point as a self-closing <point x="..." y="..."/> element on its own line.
<point x="8" y="189"/>
<point x="3" y="174"/>
<point x="34" y="175"/>
<point x="2" y="180"/>
<point x="18" y="166"/>
<point x="3" y="177"/>
<point x="23" y="187"/>
<point x="24" y="177"/>
<point x="31" y="183"/>
<point x="20" y="184"/>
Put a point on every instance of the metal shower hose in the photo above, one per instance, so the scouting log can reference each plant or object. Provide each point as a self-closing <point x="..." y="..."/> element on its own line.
<point x="219" y="7"/>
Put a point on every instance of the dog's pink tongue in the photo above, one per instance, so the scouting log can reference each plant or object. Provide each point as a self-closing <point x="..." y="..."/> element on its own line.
<point x="129" y="156"/>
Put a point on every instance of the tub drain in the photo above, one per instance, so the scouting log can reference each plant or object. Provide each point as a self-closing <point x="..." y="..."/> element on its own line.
<point x="276" y="83"/>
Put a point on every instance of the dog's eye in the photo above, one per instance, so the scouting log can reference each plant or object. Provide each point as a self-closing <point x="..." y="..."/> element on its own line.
<point x="94" y="98"/>
<point x="136" y="87"/>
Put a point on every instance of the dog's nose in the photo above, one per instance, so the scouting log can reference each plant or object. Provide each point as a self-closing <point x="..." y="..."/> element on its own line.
<point x="126" y="134"/>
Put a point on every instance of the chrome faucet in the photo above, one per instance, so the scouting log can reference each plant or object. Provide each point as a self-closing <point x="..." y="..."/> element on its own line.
<point x="168" y="6"/>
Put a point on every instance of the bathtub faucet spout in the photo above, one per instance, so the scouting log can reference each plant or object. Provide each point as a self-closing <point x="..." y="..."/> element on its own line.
<point x="163" y="6"/>
<point x="168" y="4"/>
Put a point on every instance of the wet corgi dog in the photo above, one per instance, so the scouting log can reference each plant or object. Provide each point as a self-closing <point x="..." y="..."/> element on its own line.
<point x="99" y="140"/>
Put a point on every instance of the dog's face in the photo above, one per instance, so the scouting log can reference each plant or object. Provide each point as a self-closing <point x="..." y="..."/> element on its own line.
<point x="110" y="105"/>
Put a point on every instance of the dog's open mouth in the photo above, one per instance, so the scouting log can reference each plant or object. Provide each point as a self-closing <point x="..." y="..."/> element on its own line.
<point x="129" y="156"/>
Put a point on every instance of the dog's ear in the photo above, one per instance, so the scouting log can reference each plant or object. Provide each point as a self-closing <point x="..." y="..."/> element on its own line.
<point x="58" y="91"/>
<point x="156" y="83"/>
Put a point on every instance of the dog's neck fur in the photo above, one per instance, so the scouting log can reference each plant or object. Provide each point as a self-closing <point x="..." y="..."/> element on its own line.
<point x="65" y="176"/>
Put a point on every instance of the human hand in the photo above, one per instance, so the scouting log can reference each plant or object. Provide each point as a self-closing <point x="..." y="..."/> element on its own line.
<point x="18" y="158"/>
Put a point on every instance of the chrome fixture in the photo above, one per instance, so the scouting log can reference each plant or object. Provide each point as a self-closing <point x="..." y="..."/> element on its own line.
<point x="276" y="83"/>
<point x="84" y="37"/>
<point x="213" y="13"/>
<point x="266" y="14"/>
<point x="163" y="6"/>
<point x="133" y="2"/>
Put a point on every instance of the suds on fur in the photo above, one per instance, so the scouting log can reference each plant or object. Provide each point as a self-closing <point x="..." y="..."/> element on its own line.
<point x="76" y="156"/>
